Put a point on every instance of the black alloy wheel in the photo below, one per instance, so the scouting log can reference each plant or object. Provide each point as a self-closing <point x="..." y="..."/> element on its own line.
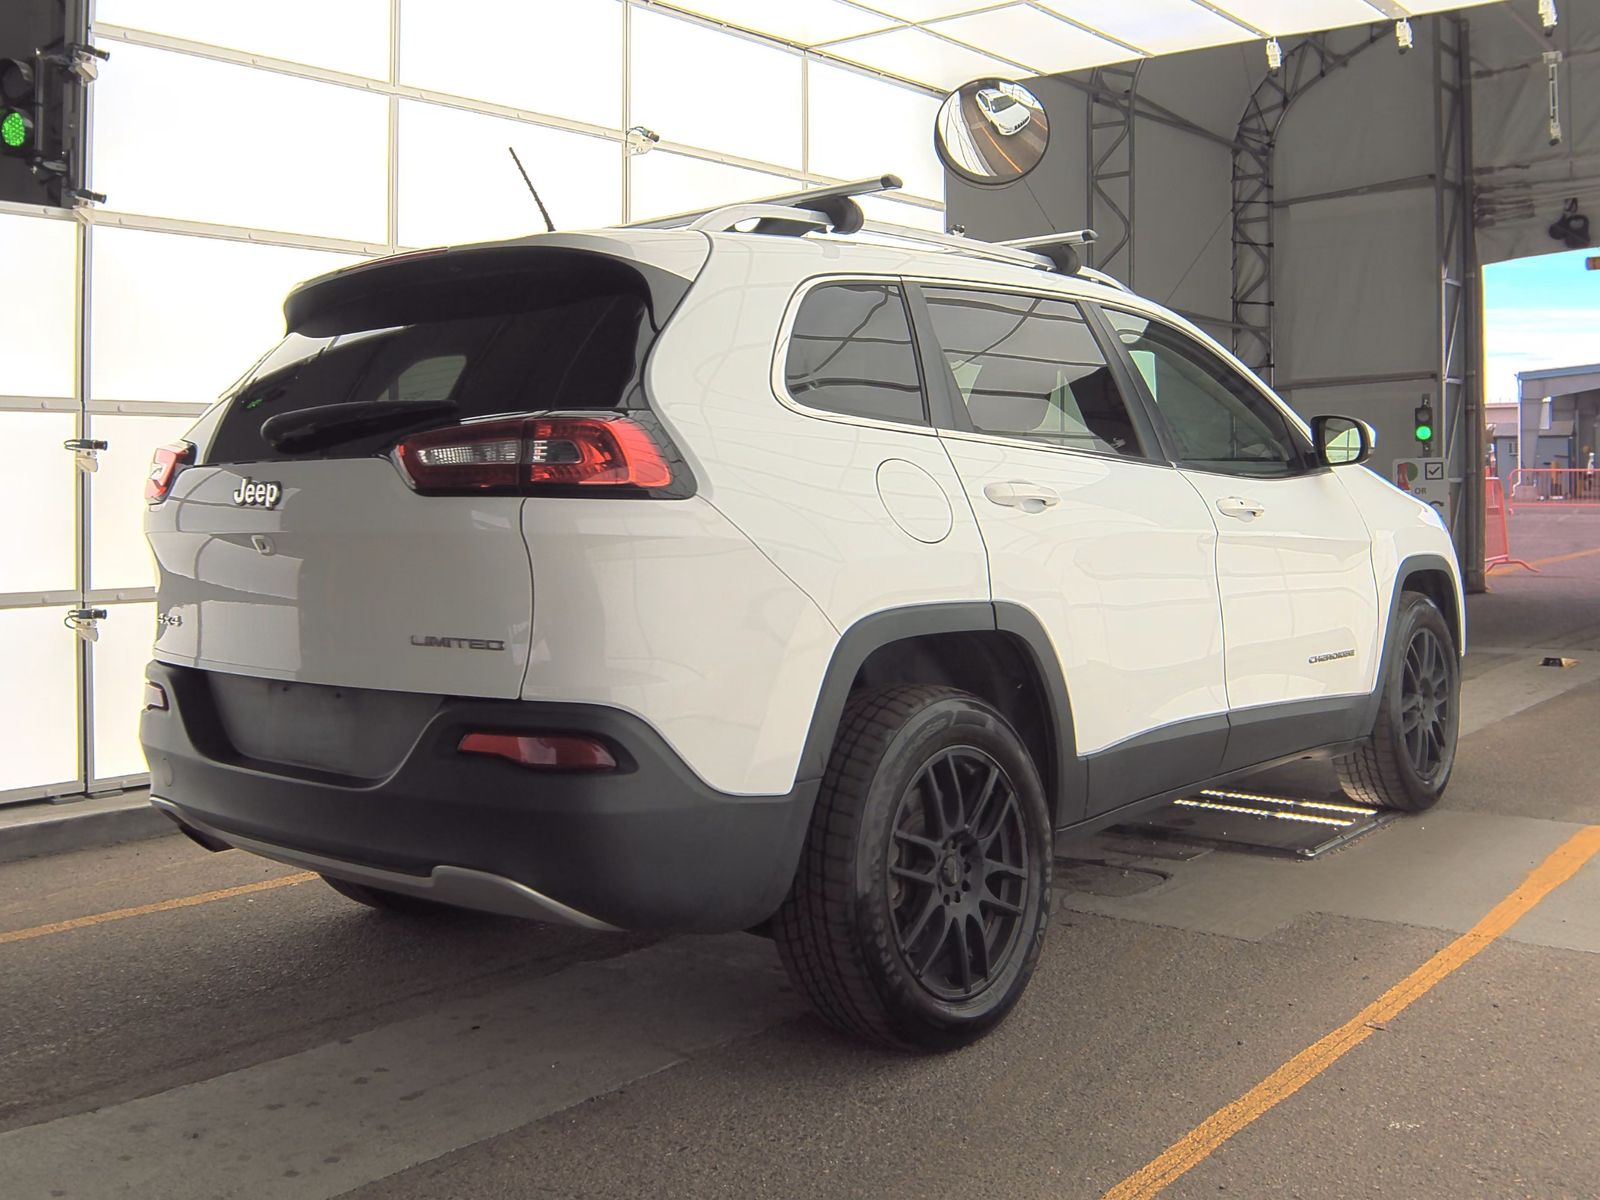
<point x="1406" y="762"/>
<point x="922" y="895"/>
<point x="958" y="868"/>
<point x="1427" y="707"/>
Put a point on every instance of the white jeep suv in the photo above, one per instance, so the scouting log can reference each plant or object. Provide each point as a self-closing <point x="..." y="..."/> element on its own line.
<point x="804" y="578"/>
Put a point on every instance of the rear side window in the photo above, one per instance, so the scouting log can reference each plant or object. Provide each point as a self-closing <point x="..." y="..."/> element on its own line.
<point x="851" y="352"/>
<point x="1028" y="367"/>
<point x="475" y="343"/>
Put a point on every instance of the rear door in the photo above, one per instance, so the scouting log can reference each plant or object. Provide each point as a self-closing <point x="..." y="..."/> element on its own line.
<point x="315" y="558"/>
<point x="1294" y="560"/>
<point x="1091" y="531"/>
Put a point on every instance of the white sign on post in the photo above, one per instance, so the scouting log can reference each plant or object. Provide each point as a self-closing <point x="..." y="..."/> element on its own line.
<point x="1425" y="479"/>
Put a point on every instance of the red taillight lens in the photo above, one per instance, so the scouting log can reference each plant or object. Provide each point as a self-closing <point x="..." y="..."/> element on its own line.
<point x="531" y="453"/>
<point x="164" y="468"/>
<point x="556" y="751"/>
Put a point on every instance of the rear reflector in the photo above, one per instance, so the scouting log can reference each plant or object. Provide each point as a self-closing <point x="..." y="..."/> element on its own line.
<point x="155" y="696"/>
<point x="556" y="751"/>
<point x="164" y="468"/>
<point x="528" y="454"/>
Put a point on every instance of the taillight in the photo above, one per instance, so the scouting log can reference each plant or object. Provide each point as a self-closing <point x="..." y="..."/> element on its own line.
<point x="553" y="751"/>
<point x="164" y="468"/>
<point x="532" y="454"/>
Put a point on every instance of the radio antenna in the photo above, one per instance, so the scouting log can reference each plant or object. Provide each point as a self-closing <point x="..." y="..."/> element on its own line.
<point x="549" y="225"/>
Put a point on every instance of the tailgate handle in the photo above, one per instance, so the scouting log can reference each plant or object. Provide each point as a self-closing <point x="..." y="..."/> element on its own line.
<point x="263" y="543"/>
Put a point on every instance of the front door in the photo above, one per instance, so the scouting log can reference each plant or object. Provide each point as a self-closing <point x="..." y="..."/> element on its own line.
<point x="1092" y="533"/>
<point x="1294" y="559"/>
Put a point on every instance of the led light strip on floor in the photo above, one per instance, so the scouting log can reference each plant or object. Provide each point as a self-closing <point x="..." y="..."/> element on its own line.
<point x="1355" y="810"/>
<point x="1274" y="814"/>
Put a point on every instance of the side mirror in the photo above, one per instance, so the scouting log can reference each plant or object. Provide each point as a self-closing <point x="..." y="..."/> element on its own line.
<point x="1342" y="440"/>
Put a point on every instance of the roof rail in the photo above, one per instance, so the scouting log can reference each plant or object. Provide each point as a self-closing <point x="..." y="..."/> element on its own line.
<point x="1110" y="281"/>
<point x="834" y="202"/>
<point x="969" y="247"/>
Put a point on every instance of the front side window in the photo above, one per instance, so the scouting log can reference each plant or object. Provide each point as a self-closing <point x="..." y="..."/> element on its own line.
<point x="851" y="352"/>
<point x="1219" y="421"/>
<point x="1028" y="367"/>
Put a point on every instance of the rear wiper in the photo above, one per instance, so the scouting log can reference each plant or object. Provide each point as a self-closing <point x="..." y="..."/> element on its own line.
<point x="319" y="428"/>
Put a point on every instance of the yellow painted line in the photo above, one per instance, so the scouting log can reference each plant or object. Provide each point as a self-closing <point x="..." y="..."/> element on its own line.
<point x="143" y="910"/>
<point x="1553" y="559"/>
<point x="1196" y="1145"/>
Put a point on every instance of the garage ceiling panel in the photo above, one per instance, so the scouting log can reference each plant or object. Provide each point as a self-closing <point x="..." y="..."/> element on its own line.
<point x="913" y="53"/>
<point x="943" y="43"/>
<point x="1156" y="26"/>
<point x="1031" y="36"/>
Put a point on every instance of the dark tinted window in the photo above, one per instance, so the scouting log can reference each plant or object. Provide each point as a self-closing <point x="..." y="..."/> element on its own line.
<point x="851" y="352"/>
<point x="529" y="343"/>
<point x="1218" y="419"/>
<point x="1027" y="366"/>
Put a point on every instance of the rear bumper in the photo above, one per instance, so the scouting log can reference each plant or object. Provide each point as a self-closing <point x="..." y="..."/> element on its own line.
<point x="649" y="846"/>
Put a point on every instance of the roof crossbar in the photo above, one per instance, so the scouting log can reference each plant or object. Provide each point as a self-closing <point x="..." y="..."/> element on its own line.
<point x="1060" y="248"/>
<point x="834" y="210"/>
<point x="834" y="202"/>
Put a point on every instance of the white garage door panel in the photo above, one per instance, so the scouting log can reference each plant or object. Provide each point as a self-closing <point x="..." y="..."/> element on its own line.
<point x="579" y="177"/>
<point x="544" y="56"/>
<point x="180" y="318"/>
<point x="36" y="551"/>
<point x="237" y="146"/>
<point x="119" y="659"/>
<point x="352" y="35"/>
<point x="38" y="705"/>
<point x="118" y="556"/>
<point x="39" y="332"/>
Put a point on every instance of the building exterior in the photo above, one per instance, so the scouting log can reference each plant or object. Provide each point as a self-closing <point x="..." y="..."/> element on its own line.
<point x="1559" y="407"/>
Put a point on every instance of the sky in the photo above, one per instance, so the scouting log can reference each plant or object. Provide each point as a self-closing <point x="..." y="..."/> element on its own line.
<point x="1538" y="312"/>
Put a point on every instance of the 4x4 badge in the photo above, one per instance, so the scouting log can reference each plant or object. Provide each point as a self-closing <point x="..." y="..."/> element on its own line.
<point x="257" y="495"/>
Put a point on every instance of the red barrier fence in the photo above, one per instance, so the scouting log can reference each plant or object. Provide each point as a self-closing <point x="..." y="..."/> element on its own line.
<point x="1496" y="536"/>
<point x="1574" y="487"/>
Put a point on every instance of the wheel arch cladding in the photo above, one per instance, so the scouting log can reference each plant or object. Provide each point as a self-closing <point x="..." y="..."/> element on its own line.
<point x="997" y="652"/>
<point x="1435" y="577"/>
<point x="1436" y="583"/>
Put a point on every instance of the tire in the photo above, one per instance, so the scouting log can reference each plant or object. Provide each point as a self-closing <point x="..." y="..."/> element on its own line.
<point x="913" y="924"/>
<point x="1407" y="763"/>
<point x="385" y="901"/>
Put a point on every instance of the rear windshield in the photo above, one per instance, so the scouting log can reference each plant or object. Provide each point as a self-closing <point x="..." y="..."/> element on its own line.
<point x="487" y="341"/>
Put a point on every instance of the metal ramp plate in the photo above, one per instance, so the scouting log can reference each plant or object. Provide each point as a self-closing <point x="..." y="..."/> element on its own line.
<point x="1258" y="822"/>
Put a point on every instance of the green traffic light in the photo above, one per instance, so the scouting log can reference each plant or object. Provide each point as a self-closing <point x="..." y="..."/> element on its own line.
<point x="1424" y="433"/>
<point x="14" y="130"/>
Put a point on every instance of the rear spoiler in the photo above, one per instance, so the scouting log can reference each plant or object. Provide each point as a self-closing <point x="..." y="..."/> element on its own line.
<point x="466" y="281"/>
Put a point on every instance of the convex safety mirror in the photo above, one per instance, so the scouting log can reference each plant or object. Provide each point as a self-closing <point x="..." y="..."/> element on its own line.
<point x="1342" y="440"/>
<point x="991" y="131"/>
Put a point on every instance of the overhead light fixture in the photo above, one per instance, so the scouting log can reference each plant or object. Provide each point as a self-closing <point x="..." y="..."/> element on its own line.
<point x="1572" y="227"/>
<point x="1274" y="55"/>
<point x="1402" y="34"/>
<point x="1552" y="66"/>
<point x="1548" y="17"/>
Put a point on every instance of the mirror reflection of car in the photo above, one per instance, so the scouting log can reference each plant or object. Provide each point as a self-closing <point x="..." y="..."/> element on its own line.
<point x="1005" y="113"/>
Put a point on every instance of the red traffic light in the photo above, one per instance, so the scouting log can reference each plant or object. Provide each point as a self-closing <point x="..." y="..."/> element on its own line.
<point x="16" y="81"/>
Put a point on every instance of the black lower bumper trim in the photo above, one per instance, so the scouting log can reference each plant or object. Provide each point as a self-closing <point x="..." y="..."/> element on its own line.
<point x="647" y="847"/>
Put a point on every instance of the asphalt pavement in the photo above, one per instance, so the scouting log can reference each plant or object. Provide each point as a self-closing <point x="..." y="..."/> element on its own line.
<point x="180" y="1024"/>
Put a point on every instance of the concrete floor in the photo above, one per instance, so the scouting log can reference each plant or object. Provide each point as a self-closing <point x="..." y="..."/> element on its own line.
<point x="282" y="1042"/>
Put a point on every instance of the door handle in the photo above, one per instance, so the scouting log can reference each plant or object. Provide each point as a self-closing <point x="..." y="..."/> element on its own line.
<point x="1019" y="493"/>
<point x="1240" y="508"/>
